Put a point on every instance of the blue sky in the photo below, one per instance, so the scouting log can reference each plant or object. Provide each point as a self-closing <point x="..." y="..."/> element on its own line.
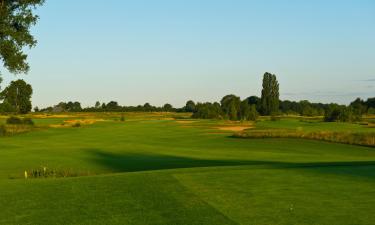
<point x="175" y="50"/>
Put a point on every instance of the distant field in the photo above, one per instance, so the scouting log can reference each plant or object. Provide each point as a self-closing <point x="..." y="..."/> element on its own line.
<point x="164" y="168"/>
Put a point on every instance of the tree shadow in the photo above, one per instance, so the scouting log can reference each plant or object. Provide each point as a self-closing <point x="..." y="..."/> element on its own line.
<point x="134" y="162"/>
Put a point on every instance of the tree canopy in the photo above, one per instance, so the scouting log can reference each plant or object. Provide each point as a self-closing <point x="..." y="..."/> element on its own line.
<point x="16" y="19"/>
<point x="17" y="97"/>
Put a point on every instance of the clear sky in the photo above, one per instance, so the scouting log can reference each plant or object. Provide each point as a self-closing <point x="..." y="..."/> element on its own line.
<point x="174" y="50"/>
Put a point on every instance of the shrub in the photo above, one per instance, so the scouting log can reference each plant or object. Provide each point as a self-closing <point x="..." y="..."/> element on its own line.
<point x="336" y="113"/>
<point x="28" y="121"/>
<point x="14" y="120"/>
<point x="76" y="124"/>
<point x="18" y="121"/>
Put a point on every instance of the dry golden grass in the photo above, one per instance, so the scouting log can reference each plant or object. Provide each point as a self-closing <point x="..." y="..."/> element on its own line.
<point x="9" y="130"/>
<point x="52" y="116"/>
<point x="70" y="123"/>
<point x="234" y="128"/>
<point x="185" y="121"/>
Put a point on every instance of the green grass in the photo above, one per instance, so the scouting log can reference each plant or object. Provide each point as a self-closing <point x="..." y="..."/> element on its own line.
<point x="156" y="171"/>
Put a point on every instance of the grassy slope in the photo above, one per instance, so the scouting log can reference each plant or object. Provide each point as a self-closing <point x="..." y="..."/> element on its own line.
<point x="230" y="181"/>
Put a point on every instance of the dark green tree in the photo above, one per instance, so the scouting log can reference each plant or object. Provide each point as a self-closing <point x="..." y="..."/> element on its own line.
<point x="73" y="107"/>
<point x="370" y="103"/>
<point x="244" y="110"/>
<point x="230" y="106"/>
<point x="16" y="19"/>
<point x="207" y="111"/>
<point x="190" y="106"/>
<point x="270" y="95"/>
<point x="253" y="114"/>
<point x="18" y="95"/>
<point x="112" y="106"/>
<point x="167" y="108"/>
<point x="359" y="106"/>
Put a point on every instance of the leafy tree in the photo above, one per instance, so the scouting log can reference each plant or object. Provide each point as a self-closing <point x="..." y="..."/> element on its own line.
<point x="244" y="110"/>
<point x="6" y="107"/>
<point x="253" y="114"/>
<point x="112" y="106"/>
<point x="190" y="106"/>
<point x="18" y="95"/>
<point x="97" y="105"/>
<point x="167" y="108"/>
<point x="332" y="113"/>
<point x="307" y="109"/>
<point x="207" y="111"/>
<point x="73" y="107"/>
<point x="370" y="103"/>
<point x="270" y="94"/>
<point x="147" y="107"/>
<point x="230" y="106"/>
<point x="341" y="113"/>
<point x="359" y="106"/>
<point x="16" y="19"/>
<point x="253" y="100"/>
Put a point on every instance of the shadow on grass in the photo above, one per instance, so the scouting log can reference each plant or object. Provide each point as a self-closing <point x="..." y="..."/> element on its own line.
<point x="146" y="162"/>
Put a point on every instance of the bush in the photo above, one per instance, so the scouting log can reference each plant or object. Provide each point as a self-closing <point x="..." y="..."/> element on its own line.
<point x="28" y="121"/>
<point x="76" y="124"/>
<point x="336" y="113"/>
<point x="18" y="121"/>
<point x="14" y="120"/>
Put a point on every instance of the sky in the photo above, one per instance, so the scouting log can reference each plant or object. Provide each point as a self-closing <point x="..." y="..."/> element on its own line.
<point x="170" y="51"/>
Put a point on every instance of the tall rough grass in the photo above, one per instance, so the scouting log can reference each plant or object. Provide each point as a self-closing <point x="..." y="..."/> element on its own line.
<point x="44" y="172"/>
<point x="9" y="130"/>
<point x="15" y="125"/>
<point x="365" y="139"/>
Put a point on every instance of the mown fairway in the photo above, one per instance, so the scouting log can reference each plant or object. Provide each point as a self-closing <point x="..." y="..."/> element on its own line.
<point x="157" y="170"/>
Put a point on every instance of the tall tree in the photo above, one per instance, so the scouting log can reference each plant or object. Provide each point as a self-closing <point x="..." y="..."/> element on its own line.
<point x="16" y="19"/>
<point x="18" y="95"/>
<point x="270" y="94"/>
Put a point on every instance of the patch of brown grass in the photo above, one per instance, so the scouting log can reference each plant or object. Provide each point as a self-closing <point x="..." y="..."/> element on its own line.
<point x="70" y="123"/>
<point x="185" y="122"/>
<point x="234" y="128"/>
<point x="52" y="116"/>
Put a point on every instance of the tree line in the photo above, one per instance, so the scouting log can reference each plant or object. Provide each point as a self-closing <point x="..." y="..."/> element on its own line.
<point x="16" y="98"/>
